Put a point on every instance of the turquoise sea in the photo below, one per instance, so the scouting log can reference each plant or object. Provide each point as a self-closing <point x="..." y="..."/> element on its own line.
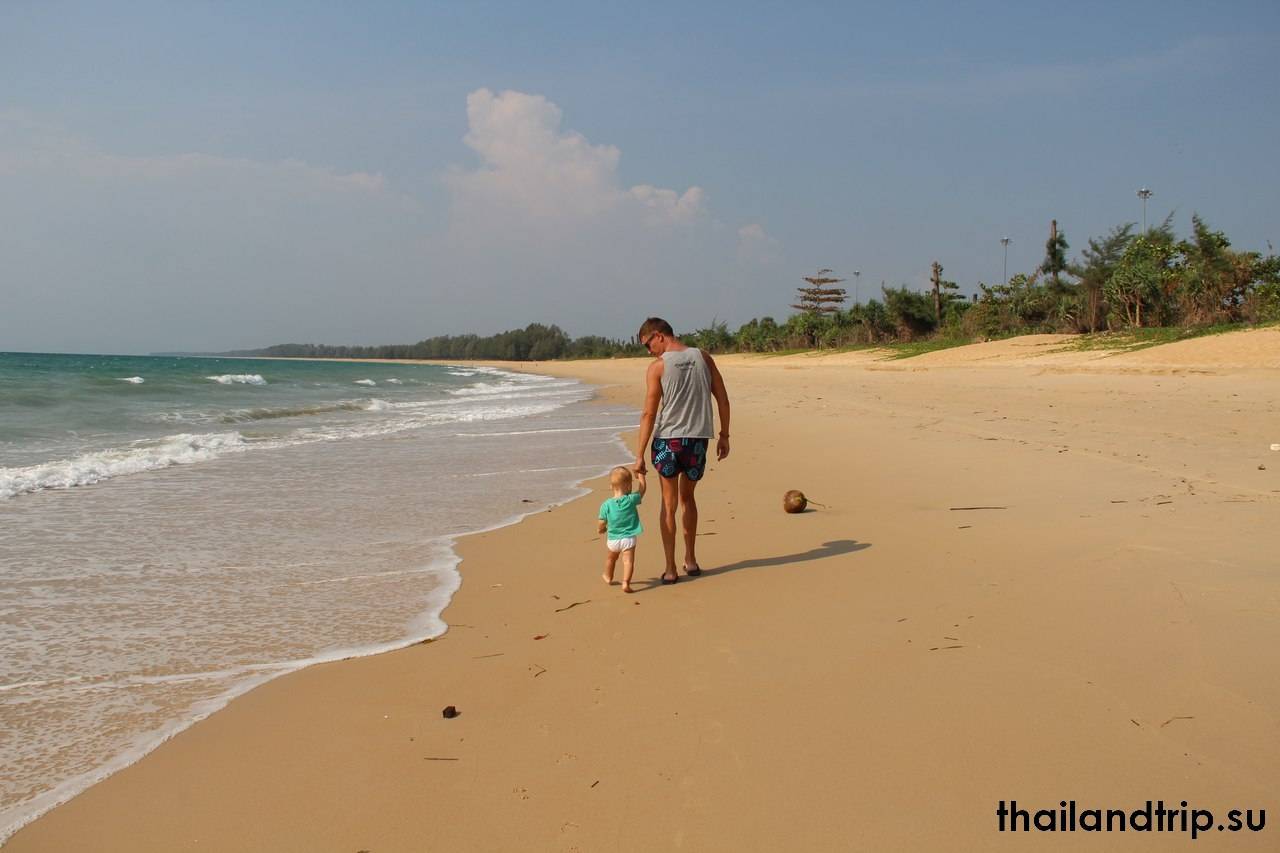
<point x="176" y="530"/>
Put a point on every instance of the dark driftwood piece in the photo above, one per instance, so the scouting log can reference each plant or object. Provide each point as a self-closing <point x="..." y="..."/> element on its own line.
<point x="571" y="606"/>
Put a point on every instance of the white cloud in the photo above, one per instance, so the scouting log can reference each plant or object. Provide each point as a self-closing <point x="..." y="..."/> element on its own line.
<point x="668" y="206"/>
<point x="755" y="246"/>
<point x="534" y="173"/>
<point x="124" y="251"/>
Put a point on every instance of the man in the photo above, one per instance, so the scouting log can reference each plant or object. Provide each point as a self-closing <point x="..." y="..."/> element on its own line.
<point x="675" y="428"/>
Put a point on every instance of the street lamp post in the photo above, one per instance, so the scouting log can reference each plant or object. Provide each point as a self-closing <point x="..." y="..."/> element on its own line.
<point x="857" y="299"/>
<point x="1005" y="241"/>
<point x="1144" y="194"/>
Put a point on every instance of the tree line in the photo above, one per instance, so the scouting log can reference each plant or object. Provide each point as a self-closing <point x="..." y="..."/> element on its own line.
<point x="1122" y="280"/>
<point x="535" y="342"/>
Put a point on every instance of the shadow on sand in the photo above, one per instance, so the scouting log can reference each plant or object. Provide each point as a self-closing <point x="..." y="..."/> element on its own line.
<point x="833" y="548"/>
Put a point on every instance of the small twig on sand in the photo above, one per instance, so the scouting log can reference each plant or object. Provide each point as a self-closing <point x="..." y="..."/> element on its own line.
<point x="433" y="758"/>
<point x="964" y="508"/>
<point x="494" y="655"/>
<point x="1171" y="719"/>
<point x="571" y="606"/>
<point x="541" y="669"/>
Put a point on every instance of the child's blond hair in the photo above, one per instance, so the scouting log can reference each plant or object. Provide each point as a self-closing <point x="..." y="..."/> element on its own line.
<point x="620" y="478"/>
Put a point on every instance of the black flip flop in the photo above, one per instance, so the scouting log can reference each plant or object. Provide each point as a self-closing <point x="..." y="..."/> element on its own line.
<point x="694" y="572"/>
<point x="667" y="580"/>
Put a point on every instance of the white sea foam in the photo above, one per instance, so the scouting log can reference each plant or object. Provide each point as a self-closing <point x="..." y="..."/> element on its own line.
<point x="90" y="468"/>
<point x="238" y="379"/>
<point x="541" y="431"/>
<point x="365" y="382"/>
<point x="187" y="448"/>
<point x="238" y="680"/>
<point x="504" y="395"/>
<point x="132" y="380"/>
<point x="393" y="381"/>
<point x="387" y="589"/>
<point x="481" y="389"/>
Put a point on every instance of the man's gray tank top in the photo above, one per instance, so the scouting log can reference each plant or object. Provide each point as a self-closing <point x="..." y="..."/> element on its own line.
<point x="686" y="396"/>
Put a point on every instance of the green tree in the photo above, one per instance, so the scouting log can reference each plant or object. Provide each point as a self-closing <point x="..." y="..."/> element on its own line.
<point x="1213" y="282"/>
<point x="713" y="339"/>
<point x="761" y="335"/>
<point x="1100" y="261"/>
<point x="944" y="293"/>
<point x="1140" y="278"/>
<point x="1055" y="256"/>
<point x="910" y="312"/>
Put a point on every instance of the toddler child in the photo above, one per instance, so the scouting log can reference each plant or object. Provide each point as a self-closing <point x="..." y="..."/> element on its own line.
<point x="620" y="521"/>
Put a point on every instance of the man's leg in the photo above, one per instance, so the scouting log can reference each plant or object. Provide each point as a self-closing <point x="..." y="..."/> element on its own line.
<point x="670" y="501"/>
<point x="690" y="519"/>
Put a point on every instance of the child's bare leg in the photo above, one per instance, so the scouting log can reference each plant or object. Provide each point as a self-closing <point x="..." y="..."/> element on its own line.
<point x="610" y="560"/>
<point x="628" y="568"/>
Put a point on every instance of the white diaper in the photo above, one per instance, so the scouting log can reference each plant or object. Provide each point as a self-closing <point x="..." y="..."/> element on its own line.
<point x="619" y="545"/>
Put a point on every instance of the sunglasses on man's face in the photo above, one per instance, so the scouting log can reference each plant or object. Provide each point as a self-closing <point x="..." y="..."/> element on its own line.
<point x="645" y="343"/>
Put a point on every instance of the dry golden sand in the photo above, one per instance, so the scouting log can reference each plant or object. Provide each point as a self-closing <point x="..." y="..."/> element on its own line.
<point x="872" y="675"/>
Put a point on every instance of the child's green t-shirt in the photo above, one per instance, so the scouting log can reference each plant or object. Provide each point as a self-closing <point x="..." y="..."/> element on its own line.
<point x="621" y="517"/>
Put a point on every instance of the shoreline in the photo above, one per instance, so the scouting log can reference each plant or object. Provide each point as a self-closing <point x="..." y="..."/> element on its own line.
<point x="730" y="722"/>
<point x="424" y="627"/>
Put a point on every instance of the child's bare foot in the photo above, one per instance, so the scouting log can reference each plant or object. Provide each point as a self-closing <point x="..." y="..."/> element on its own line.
<point x="609" y="579"/>
<point x="626" y="587"/>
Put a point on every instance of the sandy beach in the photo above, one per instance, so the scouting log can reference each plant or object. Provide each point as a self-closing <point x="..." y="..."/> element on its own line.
<point x="1036" y="574"/>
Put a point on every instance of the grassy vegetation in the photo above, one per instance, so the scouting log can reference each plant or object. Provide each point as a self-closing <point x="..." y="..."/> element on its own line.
<point x="910" y="349"/>
<point x="1132" y="340"/>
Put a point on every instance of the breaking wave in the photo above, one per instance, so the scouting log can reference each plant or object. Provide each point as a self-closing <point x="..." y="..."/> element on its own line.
<point x="91" y="468"/>
<point x="238" y="379"/>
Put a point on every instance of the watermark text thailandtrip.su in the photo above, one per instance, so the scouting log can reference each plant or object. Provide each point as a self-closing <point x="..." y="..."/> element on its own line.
<point x="1153" y="816"/>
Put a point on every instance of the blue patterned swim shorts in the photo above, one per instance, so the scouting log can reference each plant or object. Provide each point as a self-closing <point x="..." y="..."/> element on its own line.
<point x="675" y="456"/>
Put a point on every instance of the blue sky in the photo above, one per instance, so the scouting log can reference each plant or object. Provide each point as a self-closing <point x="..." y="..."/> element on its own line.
<point x="220" y="175"/>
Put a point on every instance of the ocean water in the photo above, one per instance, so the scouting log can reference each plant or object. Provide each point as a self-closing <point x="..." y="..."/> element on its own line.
<point x="175" y="531"/>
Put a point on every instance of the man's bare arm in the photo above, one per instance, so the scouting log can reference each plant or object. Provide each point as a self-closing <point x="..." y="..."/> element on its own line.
<point x="652" y="401"/>
<point x="722" y="405"/>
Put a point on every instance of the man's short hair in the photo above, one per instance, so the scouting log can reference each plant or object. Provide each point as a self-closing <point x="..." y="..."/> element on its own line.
<point x="654" y="325"/>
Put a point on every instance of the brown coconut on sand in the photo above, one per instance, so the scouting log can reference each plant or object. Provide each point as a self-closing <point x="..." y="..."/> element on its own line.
<point x="794" y="501"/>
